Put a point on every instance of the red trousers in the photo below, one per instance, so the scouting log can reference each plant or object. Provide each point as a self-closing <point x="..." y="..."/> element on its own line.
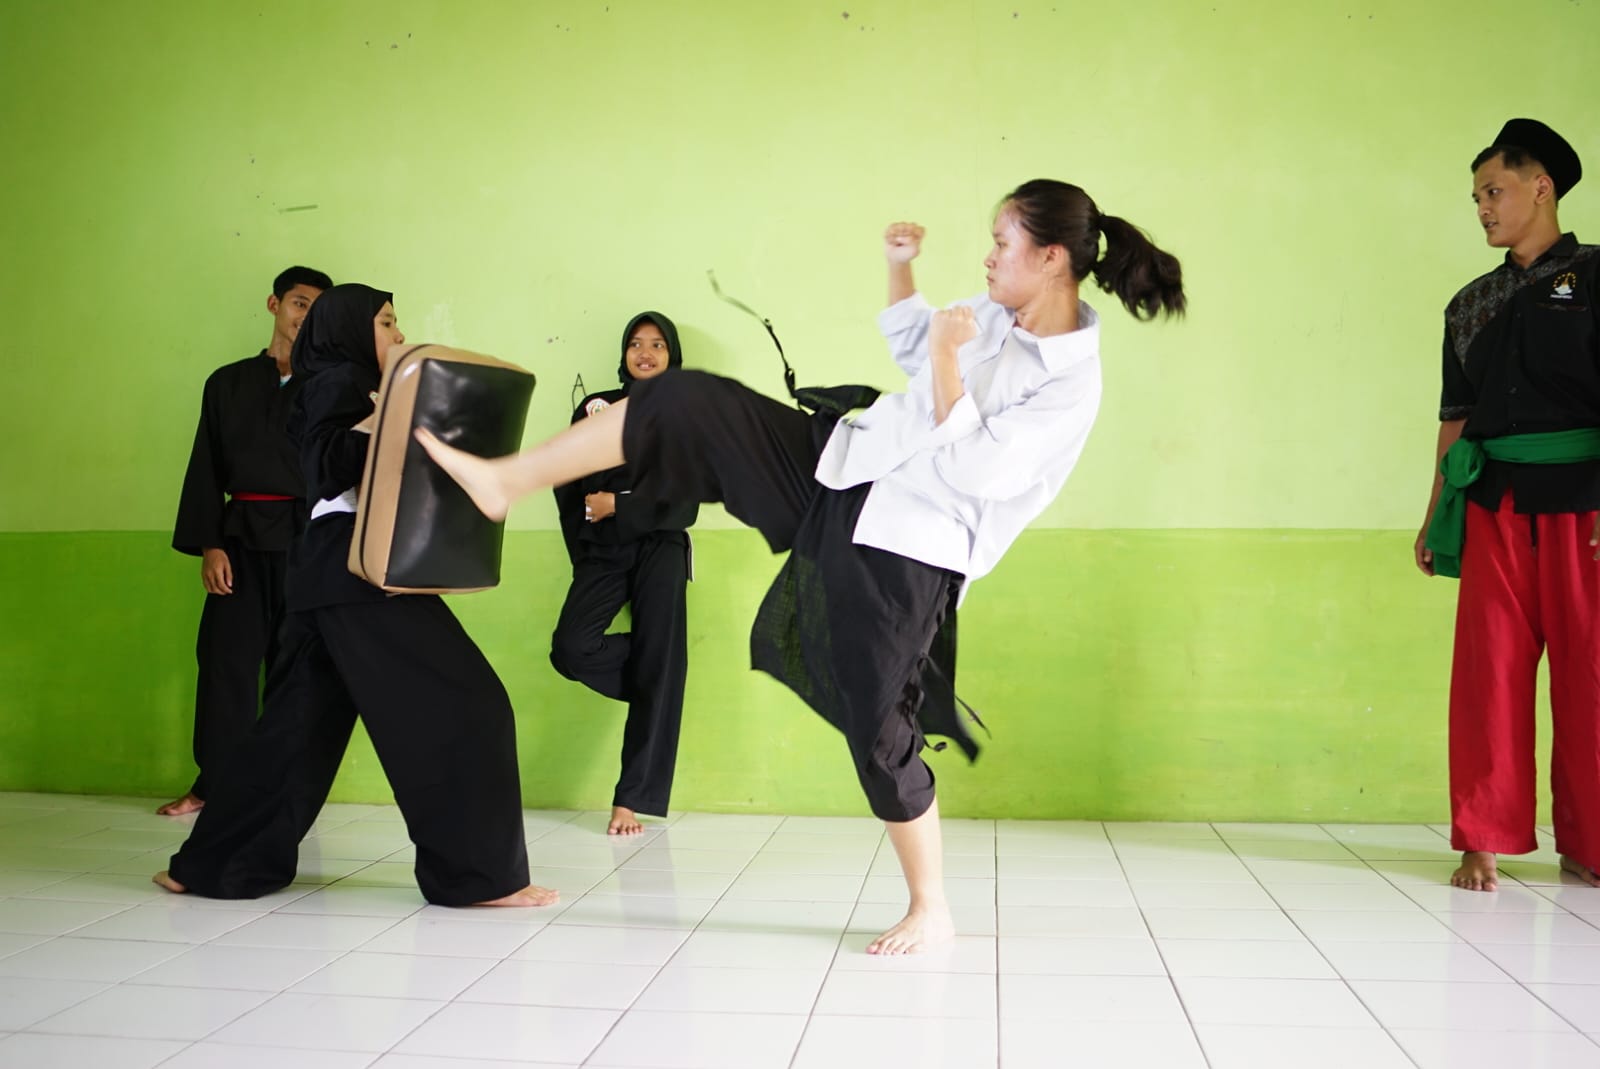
<point x="1528" y="583"/>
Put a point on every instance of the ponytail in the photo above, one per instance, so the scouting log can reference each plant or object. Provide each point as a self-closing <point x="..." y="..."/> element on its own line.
<point x="1145" y="279"/>
<point x="1148" y="281"/>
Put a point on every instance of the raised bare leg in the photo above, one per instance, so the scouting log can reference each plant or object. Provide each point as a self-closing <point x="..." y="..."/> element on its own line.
<point x="920" y="848"/>
<point x="588" y="446"/>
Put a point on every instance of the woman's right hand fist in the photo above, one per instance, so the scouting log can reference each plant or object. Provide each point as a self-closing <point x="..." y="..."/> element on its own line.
<point x="902" y="242"/>
<point x="950" y="329"/>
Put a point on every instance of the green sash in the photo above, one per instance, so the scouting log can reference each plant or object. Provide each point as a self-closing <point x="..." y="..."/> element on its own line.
<point x="1463" y="464"/>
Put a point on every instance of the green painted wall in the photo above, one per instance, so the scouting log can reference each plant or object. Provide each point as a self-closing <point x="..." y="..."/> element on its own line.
<point x="1229" y="675"/>
<point x="1217" y="619"/>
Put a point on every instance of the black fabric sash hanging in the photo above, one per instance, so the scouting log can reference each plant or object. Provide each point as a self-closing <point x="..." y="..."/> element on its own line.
<point x="833" y="400"/>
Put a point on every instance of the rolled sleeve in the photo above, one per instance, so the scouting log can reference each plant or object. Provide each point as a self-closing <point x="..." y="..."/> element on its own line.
<point x="904" y="326"/>
<point x="1019" y="448"/>
<point x="962" y="420"/>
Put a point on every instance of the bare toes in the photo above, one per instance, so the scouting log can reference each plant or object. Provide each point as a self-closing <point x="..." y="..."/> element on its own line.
<point x="181" y="806"/>
<point x="528" y="897"/>
<point x="543" y="896"/>
<point x="1580" y="870"/>
<point x="164" y="879"/>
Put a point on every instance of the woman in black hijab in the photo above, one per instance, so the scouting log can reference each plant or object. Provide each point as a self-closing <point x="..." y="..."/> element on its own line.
<point x="438" y="716"/>
<point x="630" y="547"/>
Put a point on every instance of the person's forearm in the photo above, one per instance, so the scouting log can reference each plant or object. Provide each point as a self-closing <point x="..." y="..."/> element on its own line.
<point x="1449" y="432"/>
<point x="947" y="386"/>
<point x="901" y="284"/>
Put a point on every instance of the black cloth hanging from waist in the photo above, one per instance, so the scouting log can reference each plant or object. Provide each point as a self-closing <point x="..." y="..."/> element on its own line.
<point x="846" y="627"/>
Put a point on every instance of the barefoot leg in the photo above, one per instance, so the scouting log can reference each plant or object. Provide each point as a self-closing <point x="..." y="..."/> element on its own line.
<point x="531" y="895"/>
<point x="189" y="803"/>
<point x="1478" y="872"/>
<point x="623" y="822"/>
<point x="164" y="879"/>
<point x="1580" y="870"/>
<point x="920" y="848"/>
<point x="588" y="446"/>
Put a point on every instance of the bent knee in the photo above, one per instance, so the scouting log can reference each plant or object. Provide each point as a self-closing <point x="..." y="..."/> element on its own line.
<point x="574" y="657"/>
<point x="566" y="660"/>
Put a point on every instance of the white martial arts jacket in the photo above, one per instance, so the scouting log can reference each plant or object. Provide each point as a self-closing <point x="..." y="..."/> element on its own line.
<point x="956" y="495"/>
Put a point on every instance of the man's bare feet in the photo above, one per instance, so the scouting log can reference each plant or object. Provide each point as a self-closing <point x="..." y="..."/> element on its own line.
<point x="182" y="806"/>
<point x="164" y="879"/>
<point x="531" y="895"/>
<point x="1580" y="870"/>
<point x="921" y="929"/>
<point x="476" y="475"/>
<point x="623" y="822"/>
<point x="1477" y="872"/>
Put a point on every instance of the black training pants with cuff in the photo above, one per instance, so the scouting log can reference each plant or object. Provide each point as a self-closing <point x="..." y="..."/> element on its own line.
<point x="849" y="628"/>
<point x="441" y="724"/>
<point x="646" y="666"/>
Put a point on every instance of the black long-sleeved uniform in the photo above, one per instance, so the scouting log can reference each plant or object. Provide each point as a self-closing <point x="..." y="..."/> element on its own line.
<point x="241" y="447"/>
<point x="638" y="557"/>
<point x="438" y="716"/>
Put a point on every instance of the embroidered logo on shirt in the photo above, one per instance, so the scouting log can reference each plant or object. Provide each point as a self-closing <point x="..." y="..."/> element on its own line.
<point x="599" y="404"/>
<point x="1562" y="289"/>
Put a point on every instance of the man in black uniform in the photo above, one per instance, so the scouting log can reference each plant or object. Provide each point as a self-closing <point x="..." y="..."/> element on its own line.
<point x="629" y="547"/>
<point x="1513" y="513"/>
<point x="241" y="506"/>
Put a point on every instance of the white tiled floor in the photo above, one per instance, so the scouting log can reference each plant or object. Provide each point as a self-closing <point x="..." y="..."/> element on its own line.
<point x="737" y="941"/>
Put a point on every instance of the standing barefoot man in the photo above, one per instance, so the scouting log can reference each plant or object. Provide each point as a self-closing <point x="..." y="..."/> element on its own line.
<point x="243" y="502"/>
<point x="1513" y="514"/>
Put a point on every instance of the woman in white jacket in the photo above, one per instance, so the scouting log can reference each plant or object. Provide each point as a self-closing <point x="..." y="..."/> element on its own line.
<point x="888" y="515"/>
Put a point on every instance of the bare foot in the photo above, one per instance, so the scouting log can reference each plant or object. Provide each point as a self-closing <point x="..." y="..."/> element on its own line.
<point x="531" y="895"/>
<point x="164" y="879"/>
<point x="921" y="929"/>
<point x="476" y="475"/>
<point x="623" y="822"/>
<point x="180" y="806"/>
<point x="1477" y="872"/>
<point x="1580" y="870"/>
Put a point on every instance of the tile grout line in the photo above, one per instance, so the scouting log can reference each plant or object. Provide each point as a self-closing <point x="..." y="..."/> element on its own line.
<point x="342" y="955"/>
<point x="999" y="1030"/>
<point x="838" y="949"/>
<point x="444" y="1003"/>
<point x="1561" y="911"/>
<point x="587" y="1059"/>
<point x="1343" y="979"/>
<point x="617" y="867"/>
<point x="1172" y="981"/>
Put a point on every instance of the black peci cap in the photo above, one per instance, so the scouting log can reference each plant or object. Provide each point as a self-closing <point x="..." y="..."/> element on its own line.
<point x="1546" y="146"/>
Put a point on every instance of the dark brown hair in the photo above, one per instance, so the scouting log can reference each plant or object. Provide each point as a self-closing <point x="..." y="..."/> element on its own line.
<point x="300" y="276"/>
<point x="1514" y="157"/>
<point x="1145" y="279"/>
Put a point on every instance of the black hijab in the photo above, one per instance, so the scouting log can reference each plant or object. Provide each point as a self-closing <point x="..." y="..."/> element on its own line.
<point x="337" y="332"/>
<point x="669" y="331"/>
